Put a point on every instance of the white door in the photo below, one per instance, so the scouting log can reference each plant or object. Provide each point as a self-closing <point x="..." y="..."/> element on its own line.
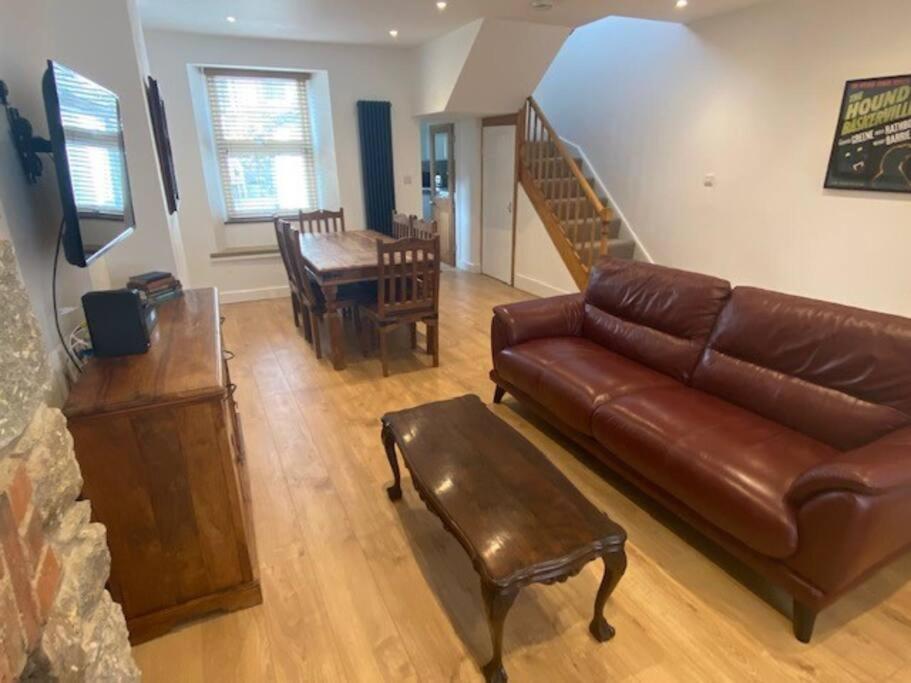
<point x="498" y="161"/>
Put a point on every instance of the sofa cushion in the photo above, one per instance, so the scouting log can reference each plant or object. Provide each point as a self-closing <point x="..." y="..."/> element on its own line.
<point x="571" y="376"/>
<point x="729" y="465"/>
<point x="838" y="374"/>
<point x="658" y="316"/>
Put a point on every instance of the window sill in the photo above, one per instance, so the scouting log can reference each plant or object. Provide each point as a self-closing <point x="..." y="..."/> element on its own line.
<point x="259" y="219"/>
<point x="244" y="253"/>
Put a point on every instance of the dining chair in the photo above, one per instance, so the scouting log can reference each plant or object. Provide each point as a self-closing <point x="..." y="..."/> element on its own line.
<point x="424" y="230"/>
<point x="292" y="282"/>
<point x="402" y="225"/>
<point x="322" y="221"/>
<point x="312" y="301"/>
<point x="408" y="292"/>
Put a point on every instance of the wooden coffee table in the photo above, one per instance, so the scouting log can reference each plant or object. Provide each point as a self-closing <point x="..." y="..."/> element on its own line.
<point x="519" y="519"/>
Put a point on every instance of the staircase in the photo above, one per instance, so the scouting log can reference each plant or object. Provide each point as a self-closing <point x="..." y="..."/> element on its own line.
<point x="579" y="220"/>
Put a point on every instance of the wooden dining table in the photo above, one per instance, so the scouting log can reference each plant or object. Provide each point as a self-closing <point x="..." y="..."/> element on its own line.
<point x="336" y="259"/>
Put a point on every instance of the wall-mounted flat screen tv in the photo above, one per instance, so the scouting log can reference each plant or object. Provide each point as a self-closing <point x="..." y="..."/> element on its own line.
<point x="87" y="143"/>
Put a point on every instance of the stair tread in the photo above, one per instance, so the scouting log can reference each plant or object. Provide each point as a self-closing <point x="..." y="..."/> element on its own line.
<point x="603" y="200"/>
<point x="610" y="240"/>
<point x="588" y="219"/>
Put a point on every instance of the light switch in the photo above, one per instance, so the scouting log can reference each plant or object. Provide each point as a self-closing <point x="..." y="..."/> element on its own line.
<point x="709" y="180"/>
<point x="407" y="180"/>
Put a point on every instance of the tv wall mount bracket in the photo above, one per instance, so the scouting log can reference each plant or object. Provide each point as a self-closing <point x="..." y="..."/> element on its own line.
<point x="27" y="144"/>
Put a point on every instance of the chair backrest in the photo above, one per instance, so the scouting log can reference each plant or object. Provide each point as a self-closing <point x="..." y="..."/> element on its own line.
<point x="322" y="221"/>
<point x="408" y="276"/>
<point x="291" y="238"/>
<point x="282" y="249"/>
<point x="402" y="225"/>
<point x="424" y="230"/>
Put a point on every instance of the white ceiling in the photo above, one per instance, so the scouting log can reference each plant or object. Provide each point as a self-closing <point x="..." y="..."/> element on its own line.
<point x="368" y="21"/>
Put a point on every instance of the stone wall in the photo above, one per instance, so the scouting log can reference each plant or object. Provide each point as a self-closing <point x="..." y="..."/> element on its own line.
<point x="57" y="621"/>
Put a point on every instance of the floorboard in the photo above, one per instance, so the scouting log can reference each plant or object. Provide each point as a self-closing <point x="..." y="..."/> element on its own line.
<point x="358" y="589"/>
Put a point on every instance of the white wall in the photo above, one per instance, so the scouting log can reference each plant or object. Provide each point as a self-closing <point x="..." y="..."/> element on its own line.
<point x="486" y="67"/>
<point x="752" y="96"/>
<point x="505" y="63"/>
<point x="539" y="268"/>
<point x="439" y="64"/>
<point x="98" y="38"/>
<point x="352" y="73"/>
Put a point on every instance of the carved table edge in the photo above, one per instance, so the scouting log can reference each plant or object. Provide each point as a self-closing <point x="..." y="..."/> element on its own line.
<point x="551" y="571"/>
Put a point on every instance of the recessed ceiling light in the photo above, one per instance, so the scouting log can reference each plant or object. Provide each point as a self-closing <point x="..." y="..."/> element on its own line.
<point x="231" y="20"/>
<point x="441" y="5"/>
<point x="542" y="5"/>
<point x="394" y="33"/>
<point x="682" y="3"/>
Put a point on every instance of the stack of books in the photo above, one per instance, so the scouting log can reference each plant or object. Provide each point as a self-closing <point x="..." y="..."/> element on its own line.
<point x="157" y="286"/>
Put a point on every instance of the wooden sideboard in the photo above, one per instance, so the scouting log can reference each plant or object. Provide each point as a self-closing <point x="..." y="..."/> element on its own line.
<point x="161" y="449"/>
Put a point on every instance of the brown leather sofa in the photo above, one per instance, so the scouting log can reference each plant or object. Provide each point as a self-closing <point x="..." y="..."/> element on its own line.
<point x="777" y="425"/>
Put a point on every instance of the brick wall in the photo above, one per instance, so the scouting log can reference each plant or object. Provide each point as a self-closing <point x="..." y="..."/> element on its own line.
<point x="29" y="573"/>
<point x="57" y="621"/>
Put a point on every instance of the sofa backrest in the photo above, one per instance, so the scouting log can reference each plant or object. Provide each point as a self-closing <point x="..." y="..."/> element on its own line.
<point x="838" y="374"/>
<point x="657" y="316"/>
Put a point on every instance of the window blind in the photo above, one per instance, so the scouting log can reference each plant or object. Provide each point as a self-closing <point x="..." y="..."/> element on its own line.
<point x="91" y="126"/>
<point x="264" y="142"/>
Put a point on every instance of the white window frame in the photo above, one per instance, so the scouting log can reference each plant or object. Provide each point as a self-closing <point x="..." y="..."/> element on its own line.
<point x="307" y="148"/>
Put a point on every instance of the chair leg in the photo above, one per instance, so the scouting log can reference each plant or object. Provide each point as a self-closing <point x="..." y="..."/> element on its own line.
<point x="364" y="337"/>
<point x="317" y="342"/>
<point x="414" y="335"/>
<point x="431" y="331"/>
<point x="307" y="325"/>
<point x="436" y="344"/>
<point x="296" y="309"/>
<point x="383" y="359"/>
<point x="356" y="312"/>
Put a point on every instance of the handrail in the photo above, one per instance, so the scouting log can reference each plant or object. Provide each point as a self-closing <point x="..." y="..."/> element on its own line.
<point x="587" y="189"/>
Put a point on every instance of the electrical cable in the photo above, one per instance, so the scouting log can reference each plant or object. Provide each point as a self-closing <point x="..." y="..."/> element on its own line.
<point x="66" y="347"/>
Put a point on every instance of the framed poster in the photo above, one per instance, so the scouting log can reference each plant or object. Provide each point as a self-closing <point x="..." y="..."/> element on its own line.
<point x="163" y="144"/>
<point x="872" y="148"/>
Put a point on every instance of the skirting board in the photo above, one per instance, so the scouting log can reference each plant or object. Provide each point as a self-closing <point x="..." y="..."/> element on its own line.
<point x="237" y="295"/>
<point x="536" y="287"/>
<point x="469" y="266"/>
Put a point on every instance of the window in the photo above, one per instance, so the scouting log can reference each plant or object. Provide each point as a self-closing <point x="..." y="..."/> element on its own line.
<point x="91" y="126"/>
<point x="263" y="142"/>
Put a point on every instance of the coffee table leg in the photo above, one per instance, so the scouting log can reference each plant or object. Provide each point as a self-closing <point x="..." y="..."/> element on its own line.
<point x="394" y="491"/>
<point x="614" y="567"/>
<point x="497" y="602"/>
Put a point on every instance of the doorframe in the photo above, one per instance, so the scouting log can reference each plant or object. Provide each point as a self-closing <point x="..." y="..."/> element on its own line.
<point x="490" y="122"/>
<point x="448" y="128"/>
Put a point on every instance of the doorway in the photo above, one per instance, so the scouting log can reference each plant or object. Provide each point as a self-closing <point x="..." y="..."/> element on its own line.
<point x="498" y="185"/>
<point x="442" y="187"/>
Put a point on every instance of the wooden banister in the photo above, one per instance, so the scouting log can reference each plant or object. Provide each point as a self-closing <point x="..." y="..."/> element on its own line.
<point x="602" y="211"/>
<point x="572" y="212"/>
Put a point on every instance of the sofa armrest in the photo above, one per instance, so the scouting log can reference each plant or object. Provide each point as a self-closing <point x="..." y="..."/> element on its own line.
<point x="558" y="316"/>
<point x="876" y="468"/>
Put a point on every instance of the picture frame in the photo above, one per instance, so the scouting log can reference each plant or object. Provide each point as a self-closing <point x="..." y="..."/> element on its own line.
<point x="158" y="115"/>
<point x="872" y="147"/>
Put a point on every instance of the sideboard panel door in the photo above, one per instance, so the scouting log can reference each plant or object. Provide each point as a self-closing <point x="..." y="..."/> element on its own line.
<point x="162" y="456"/>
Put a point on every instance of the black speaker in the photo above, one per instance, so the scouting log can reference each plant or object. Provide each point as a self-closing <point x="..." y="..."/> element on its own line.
<point x="119" y="322"/>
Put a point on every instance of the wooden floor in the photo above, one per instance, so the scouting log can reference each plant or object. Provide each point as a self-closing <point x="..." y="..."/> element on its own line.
<point x="359" y="589"/>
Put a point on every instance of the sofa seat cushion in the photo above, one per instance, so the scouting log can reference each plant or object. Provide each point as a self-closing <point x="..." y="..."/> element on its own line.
<point x="729" y="465"/>
<point x="571" y="376"/>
